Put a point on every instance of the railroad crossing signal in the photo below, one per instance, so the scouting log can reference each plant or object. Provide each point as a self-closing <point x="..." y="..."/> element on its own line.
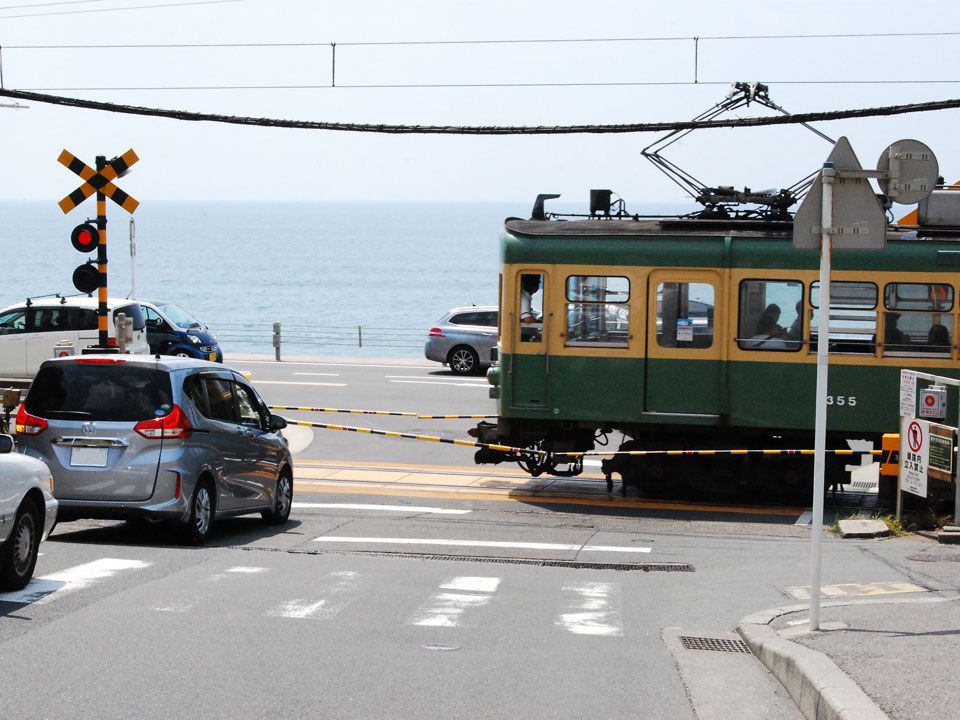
<point x="87" y="236"/>
<point x="99" y="181"/>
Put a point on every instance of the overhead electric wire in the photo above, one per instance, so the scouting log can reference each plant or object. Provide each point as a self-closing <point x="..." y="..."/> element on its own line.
<point x="454" y="86"/>
<point x="115" y="9"/>
<point x="516" y="41"/>
<point x="394" y="129"/>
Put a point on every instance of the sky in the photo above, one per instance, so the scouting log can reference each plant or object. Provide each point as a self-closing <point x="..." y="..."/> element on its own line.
<point x="202" y="161"/>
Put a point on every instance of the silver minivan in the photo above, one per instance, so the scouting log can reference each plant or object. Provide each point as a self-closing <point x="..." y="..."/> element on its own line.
<point x="165" y="438"/>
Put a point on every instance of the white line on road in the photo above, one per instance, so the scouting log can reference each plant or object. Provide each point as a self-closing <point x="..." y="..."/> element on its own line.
<point x="594" y="609"/>
<point x="387" y="508"/>
<point x="436" y="378"/>
<point x="39" y="590"/>
<point x="447" y="609"/>
<point x="326" y="364"/>
<point x="344" y="582"/>
<point x="439" y="382"/>
<point x="292" y="382"/>
<point x="478" y="543"/>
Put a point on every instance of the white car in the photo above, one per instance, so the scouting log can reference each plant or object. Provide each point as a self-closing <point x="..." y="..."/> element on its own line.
<point x="30" y="331"/>
<point x="28" y="512"/>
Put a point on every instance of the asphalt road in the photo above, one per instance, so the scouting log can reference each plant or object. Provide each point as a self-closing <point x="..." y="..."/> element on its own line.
<point x="410" y="584"/>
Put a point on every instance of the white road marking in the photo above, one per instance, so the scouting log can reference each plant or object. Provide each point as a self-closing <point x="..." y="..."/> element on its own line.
<point x="325" y="364"/>
<point x="594" y="609"/>
<point x="318" y="374"/>
<point x="246" y="569"/>
<point x="40" y="590"/>
<point x="472" y="584"/>
<point x="439" y="382"/>
<point x="325" y="608"/>
<point x="480" y="543"/>
<point x="461" y="543"/>
<point x="438" y="378"/>
<point x="592" y="463"/>
<point x="291" y="382"/>
<point x="447" y="609"/>
<point x="617" y="548"/>
<point x="179" y="605"/>
<point x="387" y="508"/>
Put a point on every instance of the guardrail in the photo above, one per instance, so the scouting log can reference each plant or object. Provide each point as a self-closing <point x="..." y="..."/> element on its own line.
<point x="319" y="336"/>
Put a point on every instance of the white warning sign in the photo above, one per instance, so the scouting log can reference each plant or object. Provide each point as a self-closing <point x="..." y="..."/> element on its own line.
<point x="914" y="455"/>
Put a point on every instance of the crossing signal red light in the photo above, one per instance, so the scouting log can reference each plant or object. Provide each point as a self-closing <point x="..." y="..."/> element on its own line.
<point x="86" y="278"/>
<point x="85" y="237"/>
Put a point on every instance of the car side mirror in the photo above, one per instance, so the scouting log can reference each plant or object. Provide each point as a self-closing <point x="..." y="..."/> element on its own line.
<point x="276" y="423"/>
<point x="6" y="444"/>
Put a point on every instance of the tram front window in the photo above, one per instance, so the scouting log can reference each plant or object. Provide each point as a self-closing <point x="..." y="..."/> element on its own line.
<point x="531" y="307"/>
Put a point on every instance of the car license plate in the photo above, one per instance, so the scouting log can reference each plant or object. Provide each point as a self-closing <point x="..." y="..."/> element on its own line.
<point x="212" y="357"/>
<point x="88" y="457"/>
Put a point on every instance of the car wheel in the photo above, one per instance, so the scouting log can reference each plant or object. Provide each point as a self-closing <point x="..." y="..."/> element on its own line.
<point x="463" y="360"/>
<point x="283" y="500"/>
<point x="202" y="510"/>
<point x="20" y="552"/>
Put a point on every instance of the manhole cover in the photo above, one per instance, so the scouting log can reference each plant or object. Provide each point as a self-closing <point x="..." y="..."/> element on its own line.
<point x="714" y="644"/>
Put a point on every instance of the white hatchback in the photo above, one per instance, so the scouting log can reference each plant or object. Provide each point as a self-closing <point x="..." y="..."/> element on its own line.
<point x="28" y="512"/>
<point x="30" y="331"/>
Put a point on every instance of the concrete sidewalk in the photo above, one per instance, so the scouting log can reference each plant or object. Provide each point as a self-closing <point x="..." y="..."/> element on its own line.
<point x="872" y="659"/>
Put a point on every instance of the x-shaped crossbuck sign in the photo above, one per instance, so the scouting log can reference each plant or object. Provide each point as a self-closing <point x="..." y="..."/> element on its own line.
<point x="99" y="181"/>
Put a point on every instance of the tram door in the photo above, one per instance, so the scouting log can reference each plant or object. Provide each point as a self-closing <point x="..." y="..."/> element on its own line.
<point x="683" y="343"/>
<point x="529" y="365"/>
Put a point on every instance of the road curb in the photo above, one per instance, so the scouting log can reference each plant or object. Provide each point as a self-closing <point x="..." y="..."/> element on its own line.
<point x="820" y="689"/>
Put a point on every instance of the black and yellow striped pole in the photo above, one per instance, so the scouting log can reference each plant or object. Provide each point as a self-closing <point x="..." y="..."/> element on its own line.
<point x="103" y="335"/>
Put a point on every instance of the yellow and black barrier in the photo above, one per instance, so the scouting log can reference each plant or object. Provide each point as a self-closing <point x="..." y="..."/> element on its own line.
<point x="423" y="438"/>
<point x="380" y="412"/>
<point x="608" y="453"/>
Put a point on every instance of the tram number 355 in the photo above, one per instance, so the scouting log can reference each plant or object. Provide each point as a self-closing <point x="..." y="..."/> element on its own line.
<point x="841" y="400"/>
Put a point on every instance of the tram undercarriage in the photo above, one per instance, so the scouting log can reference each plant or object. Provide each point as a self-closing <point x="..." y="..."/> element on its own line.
<point x="541" y="448"/>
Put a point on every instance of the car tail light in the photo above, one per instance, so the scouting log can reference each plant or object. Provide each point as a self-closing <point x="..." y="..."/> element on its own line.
<point x="436" y="332"/>
<point x="172" y="425"/>
<point x="112" y="342"/>
<point x="28" y="424"/>
<point x="99" y="360"/>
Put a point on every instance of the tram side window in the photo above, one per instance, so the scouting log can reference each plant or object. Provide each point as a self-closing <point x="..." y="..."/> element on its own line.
<point x="531" y="307"/>
<point x="853" y="316"/>
<point x="771" y="315"/>
<point x="917" y="319"/>
<point x="597" y="310"/>
<point x="685" y="315"/>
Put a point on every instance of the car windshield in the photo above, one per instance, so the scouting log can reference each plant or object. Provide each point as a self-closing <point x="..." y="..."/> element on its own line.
<point x="179" y="316"/>
<point x="113" y="391"/>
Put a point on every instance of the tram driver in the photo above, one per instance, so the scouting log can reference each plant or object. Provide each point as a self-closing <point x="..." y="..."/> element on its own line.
<point x="530" y="321"/>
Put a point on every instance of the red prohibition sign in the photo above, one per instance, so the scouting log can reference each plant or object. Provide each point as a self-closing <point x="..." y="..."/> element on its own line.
<point x="915" y="436"/>
<point x="929" y="400"/>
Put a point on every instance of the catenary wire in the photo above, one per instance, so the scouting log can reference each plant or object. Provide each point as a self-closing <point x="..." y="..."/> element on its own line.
<point x="384" y="128"/>
<point x="115" y="9"/>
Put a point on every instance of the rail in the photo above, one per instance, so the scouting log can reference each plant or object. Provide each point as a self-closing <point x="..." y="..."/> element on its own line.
<point x="312" y="337"/>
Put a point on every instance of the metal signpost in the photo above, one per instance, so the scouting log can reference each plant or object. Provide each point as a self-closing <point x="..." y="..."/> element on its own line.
<point x="99" y="181"/>
<point x="841" y="211"/>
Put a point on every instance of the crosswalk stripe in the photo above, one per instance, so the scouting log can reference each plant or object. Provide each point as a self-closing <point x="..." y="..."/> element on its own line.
<point x="323" y="608"/>
<point x="41" y="590"/>
<point x="593" y="609"/>
<point x="447" y="609"/>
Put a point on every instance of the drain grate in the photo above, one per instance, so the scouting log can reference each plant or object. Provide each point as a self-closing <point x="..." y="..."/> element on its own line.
<point x="714" y="644"/>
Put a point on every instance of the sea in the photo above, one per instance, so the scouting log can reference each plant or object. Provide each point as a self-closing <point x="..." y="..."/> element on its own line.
<point x="342" y="279"/>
